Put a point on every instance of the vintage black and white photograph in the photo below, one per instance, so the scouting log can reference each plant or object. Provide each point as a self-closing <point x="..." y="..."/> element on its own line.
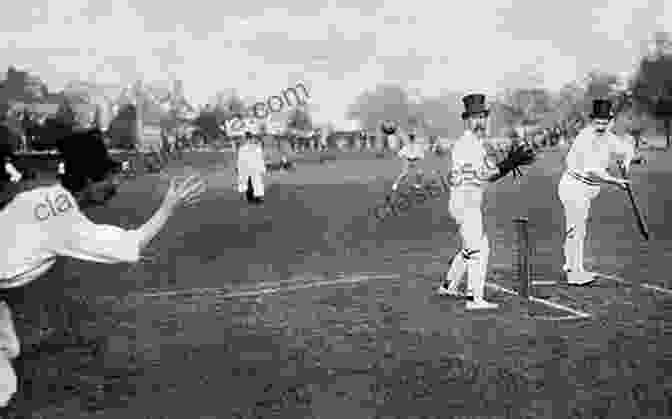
<point x="335" y="209"/>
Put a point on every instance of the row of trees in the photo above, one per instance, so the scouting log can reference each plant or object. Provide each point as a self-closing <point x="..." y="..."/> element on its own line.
<point x="211" y="118"/>
<point x="646" y="98"/>
<point x="645" y="101"/>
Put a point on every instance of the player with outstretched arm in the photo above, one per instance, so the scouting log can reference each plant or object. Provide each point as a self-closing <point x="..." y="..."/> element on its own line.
<point x="41" y="221"/>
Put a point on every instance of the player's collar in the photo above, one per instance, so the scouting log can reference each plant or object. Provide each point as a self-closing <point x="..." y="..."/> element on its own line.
<point x="470" y="133"/>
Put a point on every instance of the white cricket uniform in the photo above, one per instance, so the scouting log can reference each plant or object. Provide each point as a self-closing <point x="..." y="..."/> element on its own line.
<point x="470" y="168"/>
<point x="393" y="142"/>
<point x="413" y="152"/>
<point x="37" y="226"/>
<point x="589" y="153"/>
<point x="251" y="168"/>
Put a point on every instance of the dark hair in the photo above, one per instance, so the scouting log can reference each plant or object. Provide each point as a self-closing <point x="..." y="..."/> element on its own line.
<point x="86" y="158"/>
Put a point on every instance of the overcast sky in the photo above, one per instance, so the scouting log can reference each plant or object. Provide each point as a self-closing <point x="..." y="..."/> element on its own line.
<point x="337" y="48"/>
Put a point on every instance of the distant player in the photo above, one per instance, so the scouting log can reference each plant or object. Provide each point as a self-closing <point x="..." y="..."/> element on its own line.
<point x="411" y="155"/>
<point x="42" y="220"/>
<point x="591" y="154"/>
<point x="389" y="129"/>
<point x="473" y="166"/>
<point x="251" y="169"/>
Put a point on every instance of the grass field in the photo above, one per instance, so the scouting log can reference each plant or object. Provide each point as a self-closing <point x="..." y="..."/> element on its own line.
<point x="307" y="307"/>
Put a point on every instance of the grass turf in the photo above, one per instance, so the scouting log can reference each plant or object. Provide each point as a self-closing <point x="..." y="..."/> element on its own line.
<point x="380" y="348"/>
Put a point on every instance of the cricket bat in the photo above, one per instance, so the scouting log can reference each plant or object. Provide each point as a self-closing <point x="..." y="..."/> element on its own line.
<point x="641" y="222"/>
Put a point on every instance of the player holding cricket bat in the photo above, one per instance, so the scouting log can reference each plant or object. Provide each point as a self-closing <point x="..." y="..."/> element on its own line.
<point x="587" y="162"/>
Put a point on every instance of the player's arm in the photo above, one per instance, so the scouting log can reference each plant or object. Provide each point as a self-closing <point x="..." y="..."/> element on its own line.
<point x="602" y="176"/>
<point x="403" y="175"/>
<point x="625" y="148"/>
<point x="74" y="235"/>
<point x="490" y="170"/>
<point x="86" y="240"/>
<point x="441" y="146"/>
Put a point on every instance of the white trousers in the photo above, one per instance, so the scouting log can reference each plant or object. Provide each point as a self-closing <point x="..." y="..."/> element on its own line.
<point x="9" y="349"/>
<point x="257" y="181"/>
<point x="576" y="198"/>
<point x="465" y="206"/>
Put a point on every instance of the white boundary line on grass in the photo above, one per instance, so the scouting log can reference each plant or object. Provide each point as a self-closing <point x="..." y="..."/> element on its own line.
<point x="576" y="314"/>
<point x="274" y="287"/>
<point x="642" y="284"/>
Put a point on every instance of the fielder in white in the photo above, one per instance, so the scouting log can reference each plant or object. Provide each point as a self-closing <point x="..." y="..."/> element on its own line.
<point x="593" y="151"/>
<point x="411" y="155"/>
<point x="390" y="129"/>
<point x="251" y="169"/>
<point x="473" y="166"/>
<point x="42" y="221"/>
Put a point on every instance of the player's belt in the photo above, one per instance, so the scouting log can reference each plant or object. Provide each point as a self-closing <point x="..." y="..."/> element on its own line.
<point x="583" y="179"/>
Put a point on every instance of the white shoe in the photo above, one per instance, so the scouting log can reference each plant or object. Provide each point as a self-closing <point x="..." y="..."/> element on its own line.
<point x="445" y="290"/>
<point x="580" y="278"/>
<point x="481" y="305"/>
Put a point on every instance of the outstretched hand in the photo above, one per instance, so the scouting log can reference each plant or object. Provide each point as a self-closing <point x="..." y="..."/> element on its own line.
<point x="184" y="192"/>
<point x="624" y="183"/>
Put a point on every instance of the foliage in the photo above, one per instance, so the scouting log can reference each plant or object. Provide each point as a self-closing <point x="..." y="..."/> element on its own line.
<point x="300" y="120"/>
<point x="653" y="83"/>
<point x="122" y="128"/>
<point x="384" y="102"/>
<point x="18" y="88"/>
<point x="601" y="85"/>
<point x="524" y="106"/>
<point x="66" y="114"/>
<point x="651" y="88"/>
<point x="441" y="115"/>
<point x="208" y="123"/>
<point x="231" y="107"/>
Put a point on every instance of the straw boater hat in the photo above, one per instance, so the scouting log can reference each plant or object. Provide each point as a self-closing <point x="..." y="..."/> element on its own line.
<point x="474" y="104"/>
<point x="602" y="109"/>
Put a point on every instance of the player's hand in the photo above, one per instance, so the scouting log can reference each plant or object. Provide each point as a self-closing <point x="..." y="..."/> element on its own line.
<point x="184" y="192"/>
<point x="623" y="183"/>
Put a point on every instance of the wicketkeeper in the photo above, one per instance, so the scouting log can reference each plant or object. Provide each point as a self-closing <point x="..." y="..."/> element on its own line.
<point x="43" y="220"/>
<point x="473" y="166"/>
